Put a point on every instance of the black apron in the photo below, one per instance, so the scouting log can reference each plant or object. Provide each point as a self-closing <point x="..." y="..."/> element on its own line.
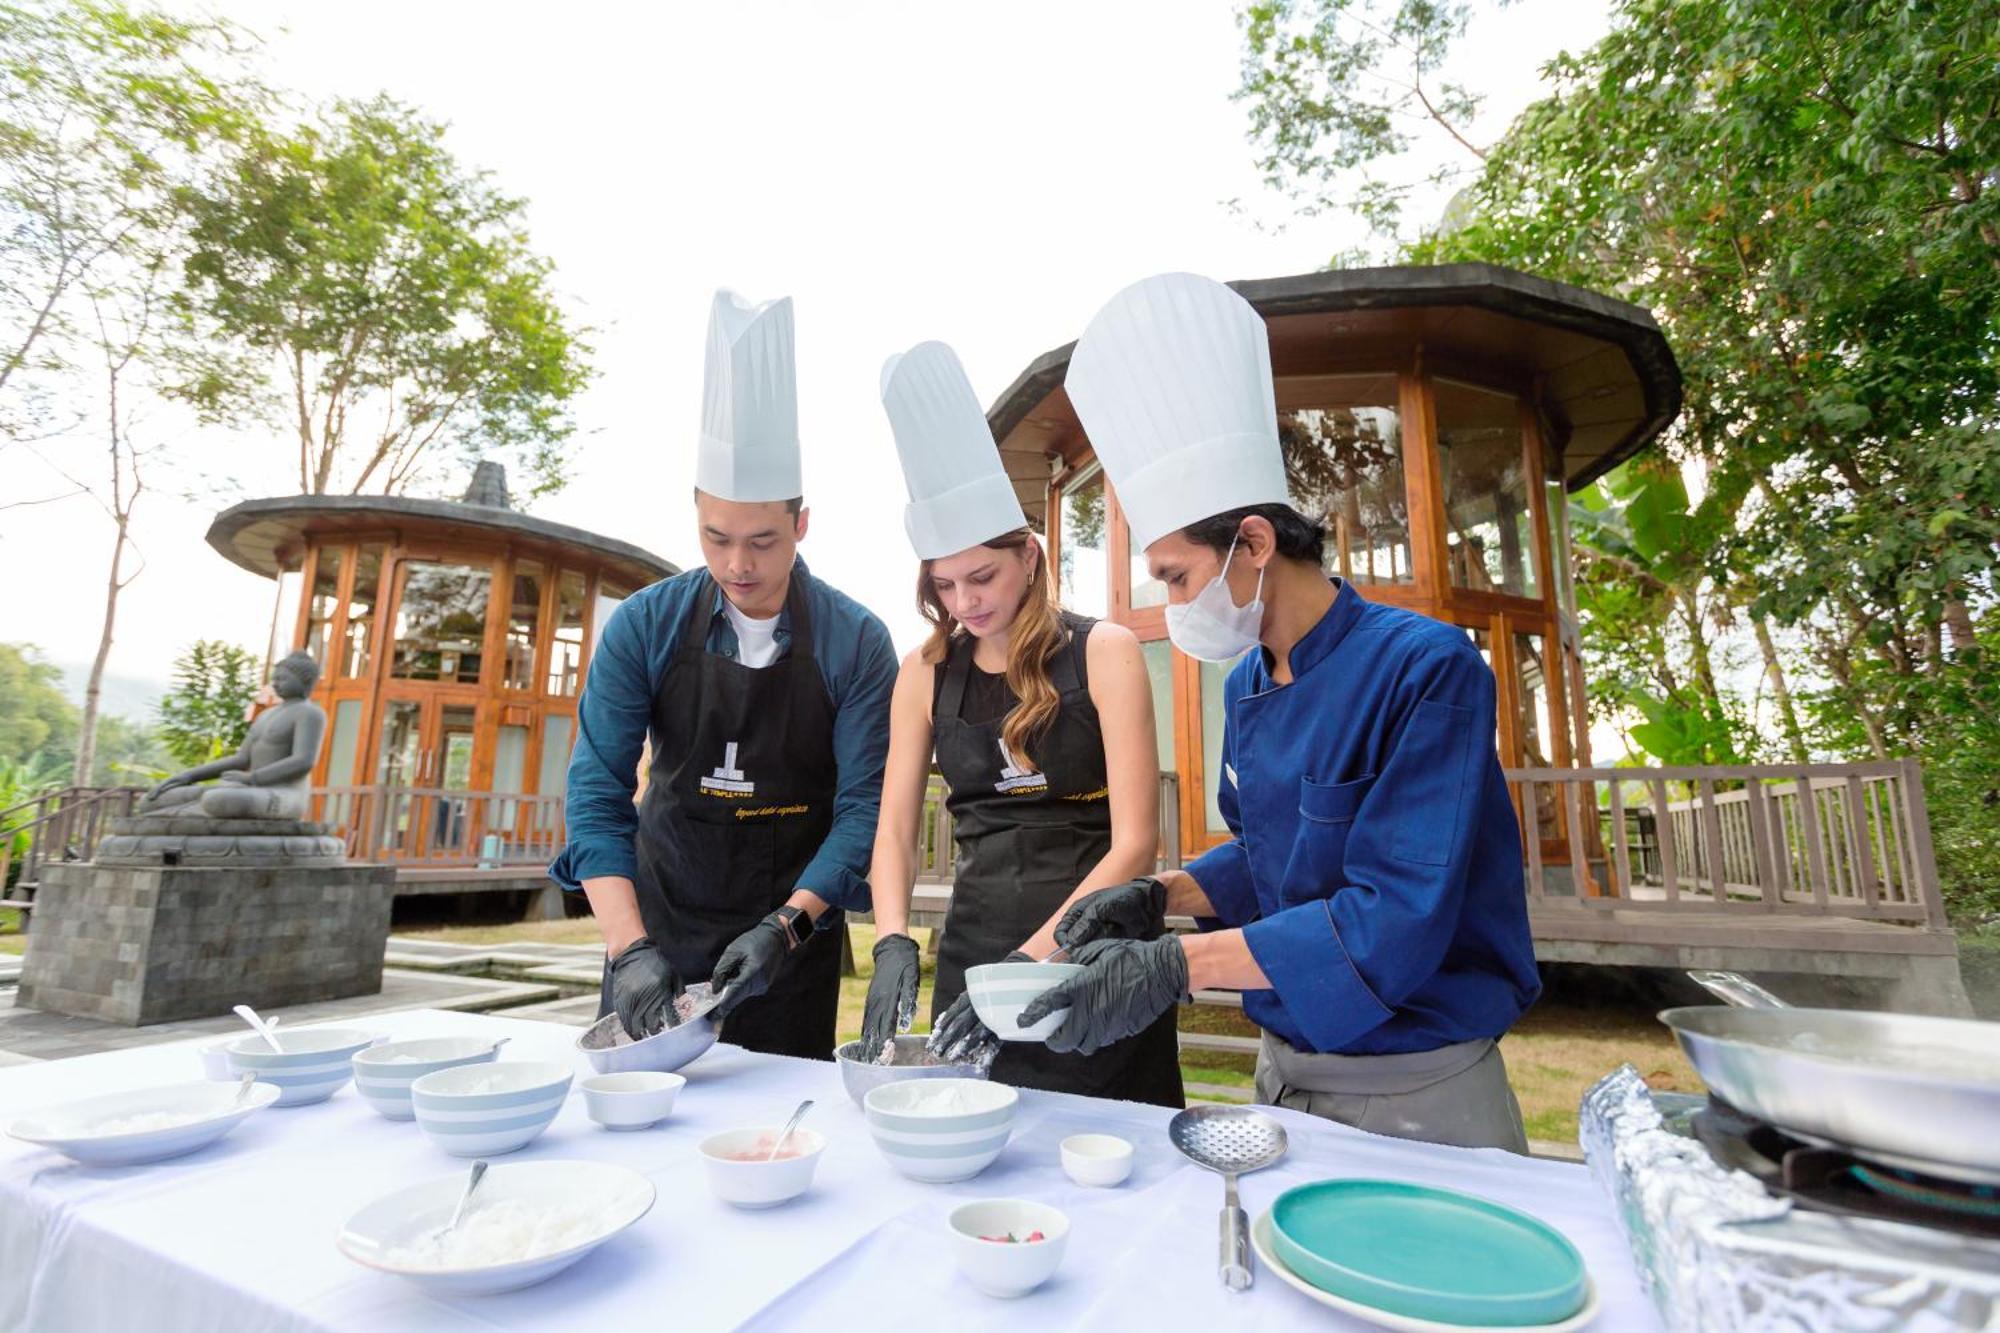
<point x="1025" y="841"/>
<point x="739" y="799"/>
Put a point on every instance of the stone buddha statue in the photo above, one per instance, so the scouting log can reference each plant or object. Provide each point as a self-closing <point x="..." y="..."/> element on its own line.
<point x="269" y="777"/>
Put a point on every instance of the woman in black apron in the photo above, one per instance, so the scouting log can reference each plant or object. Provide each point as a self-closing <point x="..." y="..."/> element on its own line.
<point x="1033" y="809"/>
<point x="1042" y="724"/>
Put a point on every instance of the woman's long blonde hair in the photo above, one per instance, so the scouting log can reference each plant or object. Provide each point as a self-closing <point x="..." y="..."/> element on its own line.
<point x="1033" y="640"/>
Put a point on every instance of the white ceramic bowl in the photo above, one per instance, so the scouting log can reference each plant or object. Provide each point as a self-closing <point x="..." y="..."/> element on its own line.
<point x="383" y="1074"/>
<point x="215" y="1060"/>
<point x="1100" y="1160"/>
<point x="618" y="1196"/>
<point x="1000" y="991"/>
<point x="1000" y="1268"/>
<point x="631" y="1101"/>
<point x="941" y="1130"/>
<point x="87" y="1130"/>
<point x="310" y="1065"/>
<point x="487" y="1109"/>
<point x="760" y="1184"/>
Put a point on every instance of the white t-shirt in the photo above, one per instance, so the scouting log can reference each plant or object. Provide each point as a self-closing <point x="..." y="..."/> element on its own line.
<point x="756" y="640"/>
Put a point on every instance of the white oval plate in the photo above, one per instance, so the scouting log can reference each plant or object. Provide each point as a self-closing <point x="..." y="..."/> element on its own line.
<point x="399" y="1218"/>
<point x="66" y="1128"/>
<point x="1260" y="1241"/>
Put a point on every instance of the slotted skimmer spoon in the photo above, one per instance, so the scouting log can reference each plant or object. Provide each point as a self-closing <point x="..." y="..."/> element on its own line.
<point x="1229" y="1140"/>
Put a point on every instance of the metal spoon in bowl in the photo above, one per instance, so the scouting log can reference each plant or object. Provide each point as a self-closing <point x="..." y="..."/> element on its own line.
<point x="458" y="1213"/>
<point x="790" y="1125"/>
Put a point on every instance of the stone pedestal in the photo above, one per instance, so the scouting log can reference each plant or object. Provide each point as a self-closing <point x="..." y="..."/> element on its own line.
<point x="182" y="923"/>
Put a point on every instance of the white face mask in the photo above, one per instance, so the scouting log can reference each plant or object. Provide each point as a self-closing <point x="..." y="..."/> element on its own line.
<point x="1212" y="627"/>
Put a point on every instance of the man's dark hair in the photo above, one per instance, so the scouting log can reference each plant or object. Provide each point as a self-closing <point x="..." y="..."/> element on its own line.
<point x="1299" y="537"/>
<point x="793" y="505"/>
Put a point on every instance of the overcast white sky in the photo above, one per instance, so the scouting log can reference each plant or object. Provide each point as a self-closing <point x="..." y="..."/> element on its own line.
<point x="984" y="174"/>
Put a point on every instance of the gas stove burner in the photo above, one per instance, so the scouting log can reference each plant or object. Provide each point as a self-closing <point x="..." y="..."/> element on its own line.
<point x="1833" y="1180"/>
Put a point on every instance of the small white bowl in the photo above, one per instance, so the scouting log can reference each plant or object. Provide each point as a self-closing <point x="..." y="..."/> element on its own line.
<point x="633" y="1100"/>
<point x="760" y="1184"/>
<point x="486" y="1109"/>
<point x="1100" y="1160"/>
<point x="1000" y="1268"/>
<point x="215" y="1060"/>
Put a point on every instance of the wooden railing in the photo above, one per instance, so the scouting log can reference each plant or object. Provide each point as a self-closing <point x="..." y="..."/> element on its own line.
<point x="1847" y="840"/>
<point x="435" y="826"/>
<point x="61" y="825"/>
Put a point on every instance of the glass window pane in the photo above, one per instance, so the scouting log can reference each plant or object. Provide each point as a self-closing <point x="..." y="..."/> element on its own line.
<point x="1083" y="570"/>
<point x="1489" y="529"/>
<point x="325" y="601"/>
<point x="1536" y="723"/>
<point x="356" y="661"/>
<point x="1556" y="502"/>
<point x="441" y="622"/>
<point x="551" y="781"/>
<point x="1212" y="676"/>
<point x="402" y="743"/>
<point x="524" y="617"/>
<point x="1159" y="655"/>
<point x="566" y="656"/>
<point x="456" y="731"/>
<point x="609" y="596"/>
<point x="510" y="771"/>
<point x="340" y="746"/>
<point x="1343" y="442"/>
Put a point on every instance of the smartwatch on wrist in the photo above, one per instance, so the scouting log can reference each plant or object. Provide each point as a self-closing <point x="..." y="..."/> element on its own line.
<point x="797" y="924"/>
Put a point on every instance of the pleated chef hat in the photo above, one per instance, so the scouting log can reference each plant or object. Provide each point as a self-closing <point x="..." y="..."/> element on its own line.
<point x="749" y="402"/>
<point x="1172" y="381"/>
<point x="959" y="492"/>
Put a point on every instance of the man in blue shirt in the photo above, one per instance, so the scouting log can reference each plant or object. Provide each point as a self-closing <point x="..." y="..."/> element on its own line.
<point x="765" y="696"/>
<point x="1370" y="905"/>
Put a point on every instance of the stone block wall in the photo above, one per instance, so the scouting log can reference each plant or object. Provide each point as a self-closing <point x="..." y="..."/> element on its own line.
<point x="139" y="944"/>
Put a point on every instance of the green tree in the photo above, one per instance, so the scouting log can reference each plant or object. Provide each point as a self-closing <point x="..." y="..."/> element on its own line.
<point x="206" y="713"/>
<point x="1805" y="196"/>
<point x="384" y="303"/>
<point x="35" y="714"/>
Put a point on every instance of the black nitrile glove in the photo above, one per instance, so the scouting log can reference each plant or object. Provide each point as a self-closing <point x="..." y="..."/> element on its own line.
<point x="750" y="964"/>
<point x="1124" y="986"/>
<point x="892" y="995"/>
<point x="643" y="985"/>
<point x="959" y="1037"/>
<point x="1131" y="911"/>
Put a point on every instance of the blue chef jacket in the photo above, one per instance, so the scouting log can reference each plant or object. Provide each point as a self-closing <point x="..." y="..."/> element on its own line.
<point x="1376" y="864"/>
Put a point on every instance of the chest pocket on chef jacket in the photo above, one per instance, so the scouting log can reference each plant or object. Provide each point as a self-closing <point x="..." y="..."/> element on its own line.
<point x="1326" y="811"/>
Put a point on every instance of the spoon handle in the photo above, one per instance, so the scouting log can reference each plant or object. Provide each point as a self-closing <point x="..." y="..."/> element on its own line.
<point x="790" y="1125"/>
<point x="478" y="1174"/>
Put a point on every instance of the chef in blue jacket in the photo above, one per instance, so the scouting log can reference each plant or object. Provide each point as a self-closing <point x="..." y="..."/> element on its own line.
<point x="1370" y="905"/>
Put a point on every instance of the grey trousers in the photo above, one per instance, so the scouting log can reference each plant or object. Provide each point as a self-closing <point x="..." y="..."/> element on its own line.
<point x="1456" y="1095"/>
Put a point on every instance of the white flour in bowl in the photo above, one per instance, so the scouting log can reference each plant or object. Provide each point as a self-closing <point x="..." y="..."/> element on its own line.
<point x="144" y="1122"/>
<point x="504" y="1232"/>
<point x="942" y="1097"/>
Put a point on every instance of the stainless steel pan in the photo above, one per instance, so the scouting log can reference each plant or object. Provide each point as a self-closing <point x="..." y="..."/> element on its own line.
<point x="1901" y="1089"/>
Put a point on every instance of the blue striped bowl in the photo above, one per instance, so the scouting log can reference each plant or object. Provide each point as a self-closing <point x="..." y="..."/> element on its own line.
<point x="942" y="1129"/>
<point x="1000" y="991"/>
<point x="486" y="1109"/>
<point x="383" y="1074"/>
<point x="312" y="1064"/>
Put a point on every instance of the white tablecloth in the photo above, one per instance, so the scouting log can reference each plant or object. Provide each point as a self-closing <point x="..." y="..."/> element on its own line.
<point x="240" y="1235"/>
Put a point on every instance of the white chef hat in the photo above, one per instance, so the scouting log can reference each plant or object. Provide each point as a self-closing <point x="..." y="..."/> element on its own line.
<point x="960" y="495"/>
<point x="749" y="402"/>
<point x="1172" y="381"/>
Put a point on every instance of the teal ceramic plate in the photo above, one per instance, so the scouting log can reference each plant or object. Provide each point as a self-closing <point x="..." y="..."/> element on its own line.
<point x="1428" y="1253"/>
<point x="1260" y="1241"/>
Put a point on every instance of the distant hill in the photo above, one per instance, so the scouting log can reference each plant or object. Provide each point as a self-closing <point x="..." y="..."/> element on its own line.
<point x="123" y="696"/>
